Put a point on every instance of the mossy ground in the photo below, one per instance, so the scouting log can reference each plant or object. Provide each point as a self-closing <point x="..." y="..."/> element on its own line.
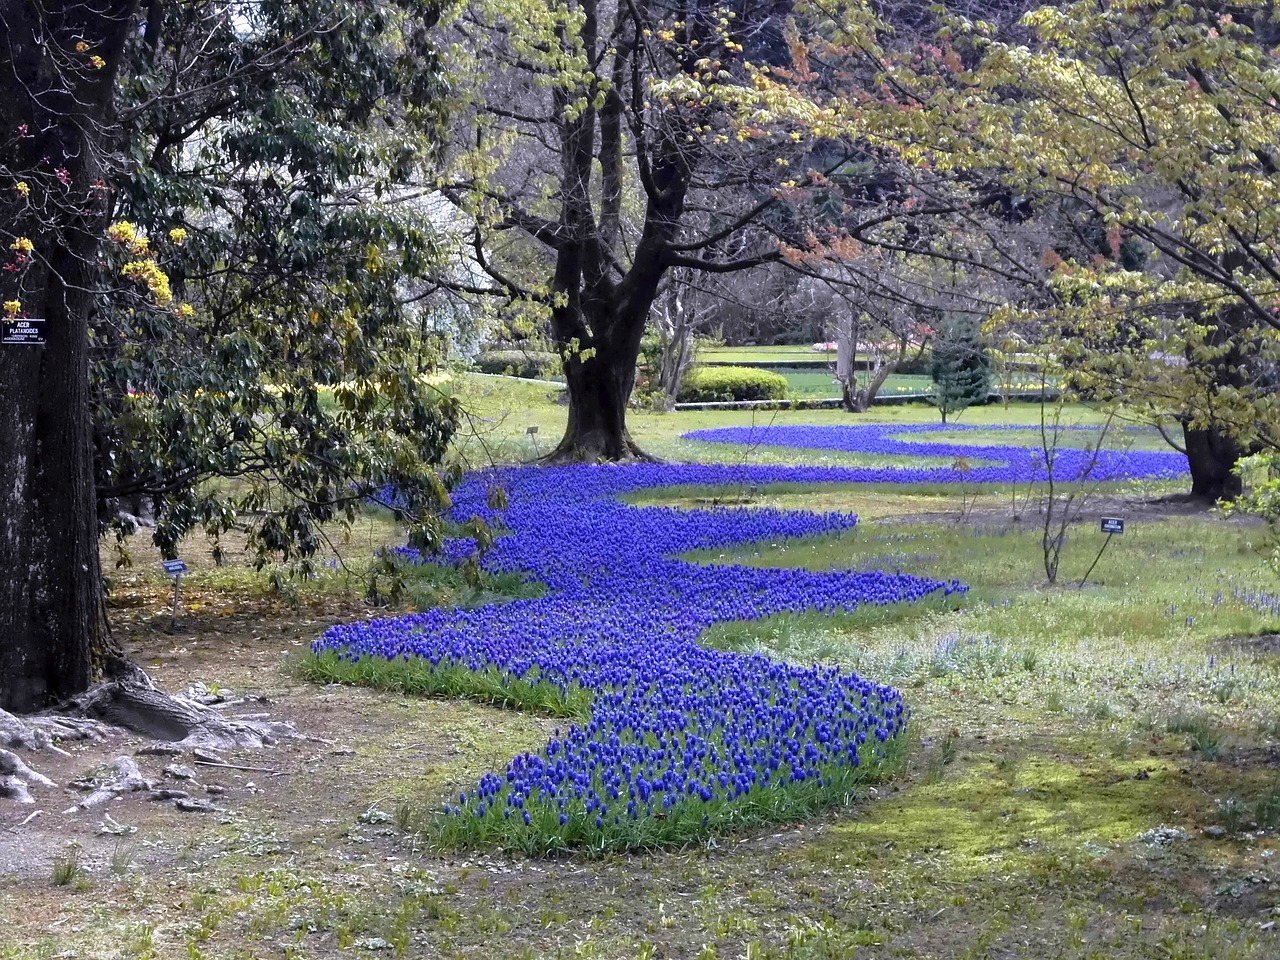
<point x="1074" y="746"/>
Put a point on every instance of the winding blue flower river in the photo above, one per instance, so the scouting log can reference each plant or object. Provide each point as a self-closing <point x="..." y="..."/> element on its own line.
<point x="674" y="725"/>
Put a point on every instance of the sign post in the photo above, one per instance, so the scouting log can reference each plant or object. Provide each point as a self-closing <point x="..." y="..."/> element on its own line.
<point x="175" y="569"/>
<point x="1110" y="526"/>
<point x="532" y="432"/>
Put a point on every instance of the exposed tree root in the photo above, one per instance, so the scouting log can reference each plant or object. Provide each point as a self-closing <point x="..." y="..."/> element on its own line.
<point x="15" y="788"/>
<point x="138" y="706"/>
<point x="132" y="702"/>
<point x="597" y="449"/>
<point x="16" y="777"/>
<point x="128" y="779"/>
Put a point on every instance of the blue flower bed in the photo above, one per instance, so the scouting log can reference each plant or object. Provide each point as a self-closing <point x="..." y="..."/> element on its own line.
<point x="676" y="739"/>
<point x="1012" y="464"/>
<point x="677" y="734"/>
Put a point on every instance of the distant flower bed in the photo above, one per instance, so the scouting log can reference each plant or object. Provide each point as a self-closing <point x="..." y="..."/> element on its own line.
<point x="1012" y="464"/>
<point x="672" y="740"/>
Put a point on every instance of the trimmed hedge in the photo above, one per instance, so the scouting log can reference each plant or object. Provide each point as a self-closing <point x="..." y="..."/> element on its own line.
<point x="533" y="364"/>
<point x="720" y="384"/>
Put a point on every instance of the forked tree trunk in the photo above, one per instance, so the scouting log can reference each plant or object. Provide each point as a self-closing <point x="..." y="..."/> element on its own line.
<point x="599" y="311"/>
<point x="875" y="379"/>
<point x="50" y="580"/>
<point x="676" y="317"/>
<point x="598" y="331"/>
<point x="855" y="396"/>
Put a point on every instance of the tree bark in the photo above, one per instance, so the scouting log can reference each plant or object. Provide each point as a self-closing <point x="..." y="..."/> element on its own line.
<point x="599" y="390"/>
<point x="1214" y="449"/>
<point x="1212" y="455"/>
<point x="51" y="619"/>
<point x="50" y="578"/>
<point x="598" y="328"/>
<point x="847" y="332"/>
<point x="676" y="317"/>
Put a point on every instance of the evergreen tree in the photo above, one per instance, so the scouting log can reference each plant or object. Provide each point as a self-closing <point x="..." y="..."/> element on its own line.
<point x="961" y="366"/>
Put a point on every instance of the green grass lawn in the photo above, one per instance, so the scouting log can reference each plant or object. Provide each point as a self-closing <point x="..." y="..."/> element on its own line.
<point x="499" y="413"/>
<point x="822" y="383"/>
<point x="1065" y="734"/>
<point x="1094" y="770"/>
<point x="804" y="383"/>
<point x="783" y="354"/>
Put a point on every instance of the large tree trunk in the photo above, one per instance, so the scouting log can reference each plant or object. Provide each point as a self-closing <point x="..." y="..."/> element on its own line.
<point x="600" y="380"/>
<point x="1214" y="450"/>
<point x="599" y="312"/>
<point x="598" y="331"/>
<point x="50" y="581"/>
<point x="1212" y="455"/>
<point x="599" y="391"/>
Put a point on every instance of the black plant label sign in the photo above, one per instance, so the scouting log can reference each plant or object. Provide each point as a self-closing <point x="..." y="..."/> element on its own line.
<point x="23" y="331"/>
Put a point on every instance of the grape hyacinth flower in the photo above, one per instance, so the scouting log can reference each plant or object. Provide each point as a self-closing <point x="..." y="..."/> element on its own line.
<point x="676" y="733"/>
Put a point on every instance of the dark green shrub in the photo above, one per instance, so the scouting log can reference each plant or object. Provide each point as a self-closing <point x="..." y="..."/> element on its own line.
<point x="917" y="363"/>
<point x="534" y="364"/>
<point x="723" y="384"/>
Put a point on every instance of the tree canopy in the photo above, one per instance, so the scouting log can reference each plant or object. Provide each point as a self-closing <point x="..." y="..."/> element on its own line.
<point x="213" y="210"/>
<point x="226" y="218"/>
<point x="1152" y="125"/>
<point x="612" y="143"/>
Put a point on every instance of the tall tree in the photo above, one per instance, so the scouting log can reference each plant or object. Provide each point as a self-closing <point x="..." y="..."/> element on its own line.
<point x="288" y="164"/>
<point x="199" y="206"/>
<point x="680" y="313"/>
<point x="56" y="145"/>
<point x="584" y="107"/>
<point x="960" y="367"/>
